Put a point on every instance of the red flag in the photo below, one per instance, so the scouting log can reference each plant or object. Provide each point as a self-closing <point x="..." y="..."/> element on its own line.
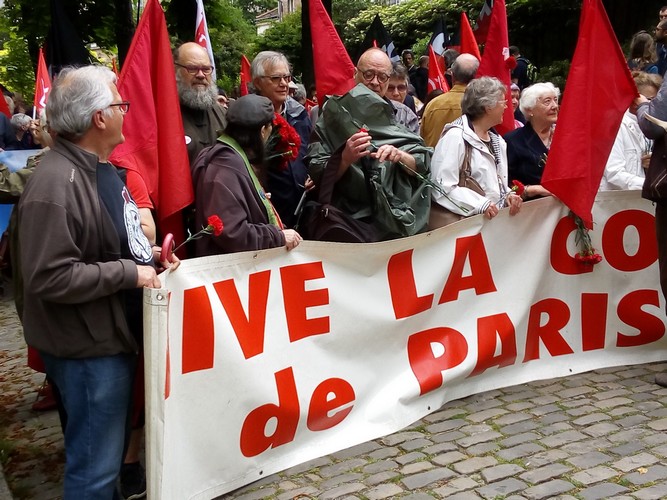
<point x="42" y="84"/>
<point x="436" y="77"/>
<point x="246" y="75"/>
<point x="596" y="97"/>
<point x="496" y="59"/>
<point x="334" y="71"/>
<point x="484" y="22"/>
<point x="4" y="107"/>
<point x="154" y="139"/>
<point x="468" y="41"/>
<point x="201" y="35"/>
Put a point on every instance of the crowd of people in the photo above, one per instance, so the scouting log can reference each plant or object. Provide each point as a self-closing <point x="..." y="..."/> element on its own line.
<point x="390" y="159"/>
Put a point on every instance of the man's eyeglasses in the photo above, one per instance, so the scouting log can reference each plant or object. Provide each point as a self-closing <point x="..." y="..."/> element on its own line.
<point x="370" y="74"/>
<point x="394" y="88"/>
<point x="124" y="106"/>
<point x="193" y="70"/>
<point x="276" y="79"/>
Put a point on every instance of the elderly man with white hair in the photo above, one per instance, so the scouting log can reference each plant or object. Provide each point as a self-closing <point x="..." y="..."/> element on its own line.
<point x="84" y="261"/>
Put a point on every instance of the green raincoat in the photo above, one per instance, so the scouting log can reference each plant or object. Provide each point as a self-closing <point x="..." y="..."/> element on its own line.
<point x="396" y="202"/>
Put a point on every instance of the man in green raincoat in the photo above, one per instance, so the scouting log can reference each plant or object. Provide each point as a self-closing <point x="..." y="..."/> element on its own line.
<point x="381" y="166"/>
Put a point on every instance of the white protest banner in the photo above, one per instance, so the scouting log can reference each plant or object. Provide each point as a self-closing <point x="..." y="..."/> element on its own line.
<point x="263" y="360"/>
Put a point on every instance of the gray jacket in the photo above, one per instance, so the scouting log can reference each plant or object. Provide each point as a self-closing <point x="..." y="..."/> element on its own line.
<point x="70" y="261"/>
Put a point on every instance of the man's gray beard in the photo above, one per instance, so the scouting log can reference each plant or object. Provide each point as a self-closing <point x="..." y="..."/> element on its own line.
<point x="197" y="98"/>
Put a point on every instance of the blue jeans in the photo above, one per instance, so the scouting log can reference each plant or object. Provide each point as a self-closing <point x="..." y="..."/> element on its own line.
<point x="96" y="395"/>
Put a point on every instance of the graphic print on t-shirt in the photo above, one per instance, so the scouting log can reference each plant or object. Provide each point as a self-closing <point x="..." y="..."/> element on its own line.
<point x="140" y="247"/>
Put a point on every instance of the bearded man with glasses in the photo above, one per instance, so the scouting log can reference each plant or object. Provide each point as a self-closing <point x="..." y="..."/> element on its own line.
<point x="203" y="118"/>
<point x="271" y="76"/>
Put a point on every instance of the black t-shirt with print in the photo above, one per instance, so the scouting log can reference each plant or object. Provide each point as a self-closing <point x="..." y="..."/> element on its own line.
<point x="116" y="199"/>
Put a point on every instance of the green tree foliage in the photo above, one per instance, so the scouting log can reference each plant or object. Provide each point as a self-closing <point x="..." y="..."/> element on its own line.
<point x="252" y="8"/>
<point x="284" y="37"/>
<point x="16" y="69"/>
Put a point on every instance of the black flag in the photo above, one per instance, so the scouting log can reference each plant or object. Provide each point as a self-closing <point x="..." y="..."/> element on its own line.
<point x="377" y="36"/>
<point x="64" y="46"/>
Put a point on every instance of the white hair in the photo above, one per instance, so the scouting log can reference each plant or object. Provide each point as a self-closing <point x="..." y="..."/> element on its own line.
<point x="77" y="94"/>
<point x="531" y="94"/>
<point x="20" y="120"/>
<point x="267" y="58"/>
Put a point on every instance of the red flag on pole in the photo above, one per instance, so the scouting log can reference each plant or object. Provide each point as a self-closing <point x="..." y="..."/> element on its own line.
<point x="484" y="22"/>
<point x="496" y="59"/>
<point x="246" y="75"/>
<point x="201" y="35"/>
<point x="334" y="71"/>
<point x="468" y="41"/>
<point x="42" y="85"/>
<point x="596" y="97"/>
<point x="154" y="139"/>
<point x="4" y="107"/>
<point x="436" y="77"/>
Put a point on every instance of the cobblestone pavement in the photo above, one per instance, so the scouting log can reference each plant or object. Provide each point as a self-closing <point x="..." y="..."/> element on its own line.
<point x="600" y="434"/>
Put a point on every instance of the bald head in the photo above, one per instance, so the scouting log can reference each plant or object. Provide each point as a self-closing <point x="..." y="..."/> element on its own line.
<point x="373" y="70"/>
<point x="464" y="68"/>
<point x="190" y="50"/>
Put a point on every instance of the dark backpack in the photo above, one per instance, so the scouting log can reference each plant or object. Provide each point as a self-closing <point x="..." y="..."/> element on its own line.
<point x="531" y="70"/>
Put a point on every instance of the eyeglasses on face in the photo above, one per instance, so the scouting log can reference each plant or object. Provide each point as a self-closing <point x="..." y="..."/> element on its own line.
<point x="394" y="88"/>
<point x="276" y="79"/>
<point x="369" y="74"/>
<point x="124" y="106"/>
<point x="193" y="70"/>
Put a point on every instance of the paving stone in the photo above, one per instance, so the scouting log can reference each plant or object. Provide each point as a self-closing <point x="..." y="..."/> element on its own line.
<point x="425" y="478"/>
<point x="381" y="477"/>
<point x="652" y="474"/>
<point x="456" y="485"/>
<point x="446" y="425"/>
<point x="630" y="463"/>
<point x="383" y="453"/>
<point x="544" y="410"/>
<point x="415" y="444"/>
<point x="519" y="439"/>
<point x="415" y="467"/>
<point x="562" y="438"/>
<point x="519" y="427"/>
<point x="512" y="418"/>
<point x="466" y="495"/>
<point x="482" y="437"/>
<point x="545" y="473"/>
<point x="384" y="491"/>
<point x="591" y="418"/>
<point x="603" y="490"/>
<point x="574" y="392"/>
<point x="626" y="449"/>
<point x="339" y="491"/>
<point x="548" y="490"/>
<point x="594" y="475"/>
<point x="354" y="451"/>
<point x="613" y="402"/>
<point x="555" y="428"/>
<point x="601" y="429"/>
<point x="446" y="437"/>
<point x="588" y="460"/>
<point x="482" y="449"/>
<point x="258" y="495"/>
<point x="474" y="464"/>
<point x="343" y="478"/>
<point x="545" y="458"/>
<point x="659" y="425"/>
<point x="410" y="457"/>
<point x="380" y="466"/>
<point x="341" y="467"/>
<point x="400" y="437"/>
<point x="501" y="488"/>
<point x="485" y="415"/>
<point x="522" y="450"/>
<point x="305" y="491"/>
<point x="501" y="471"/>
<point x="655" y="492"/>
<point x="449" y="458"/>
<point x="631" y="421"/>
<point x="439" y="448"/>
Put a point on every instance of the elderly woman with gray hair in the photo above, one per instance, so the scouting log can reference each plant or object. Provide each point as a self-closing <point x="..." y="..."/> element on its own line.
<point x="470" y="160"/>
<point x="528" y="147"/>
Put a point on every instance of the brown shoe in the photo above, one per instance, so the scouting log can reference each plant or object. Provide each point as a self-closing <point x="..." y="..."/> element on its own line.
<point x="661" y="379"/>
<point x="45" y="401"/>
